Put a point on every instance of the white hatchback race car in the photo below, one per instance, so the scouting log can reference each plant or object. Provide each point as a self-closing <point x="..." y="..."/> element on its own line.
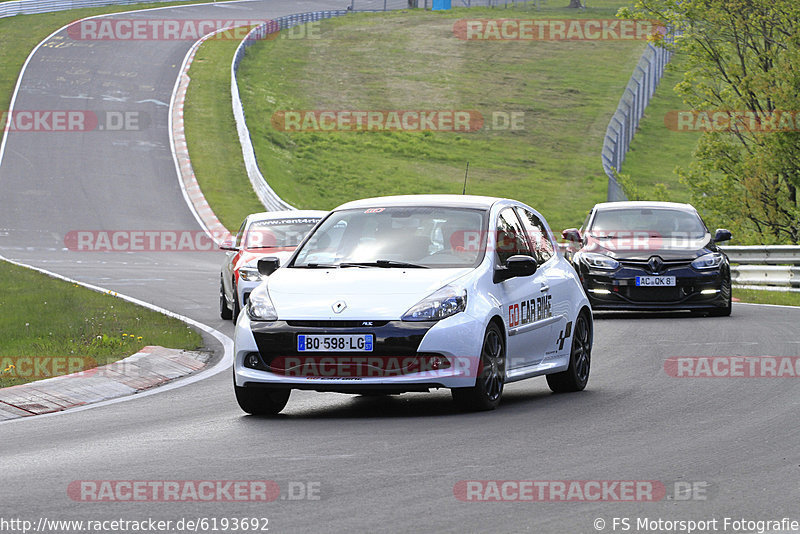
<point x="409" y="293"/>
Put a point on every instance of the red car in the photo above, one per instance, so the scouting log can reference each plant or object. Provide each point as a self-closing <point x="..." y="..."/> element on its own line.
<point x="275" y="233"/>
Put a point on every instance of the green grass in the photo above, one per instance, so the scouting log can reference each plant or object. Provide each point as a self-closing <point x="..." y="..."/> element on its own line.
<point x="766" y="297"/>
<point x="20" y="34"/>
<point x="215" y="151"/>
<point x="45" y="317"/>
<point x="657" y="151"/>
<point x="411" y="60"/>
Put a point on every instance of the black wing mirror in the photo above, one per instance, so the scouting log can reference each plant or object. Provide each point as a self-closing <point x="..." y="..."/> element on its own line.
<point x="722" y="235"/>
<point x="267" y="266"/>
<point x="515" y="266"/>
<point x="571" y="234"/>
<point x="227" y="244"/>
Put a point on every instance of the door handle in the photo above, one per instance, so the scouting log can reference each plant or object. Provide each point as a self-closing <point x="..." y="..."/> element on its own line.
<point x="544" y="288"/>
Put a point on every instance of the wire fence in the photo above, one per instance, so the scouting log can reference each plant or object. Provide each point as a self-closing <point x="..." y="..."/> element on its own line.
<point x="619" y="134"/>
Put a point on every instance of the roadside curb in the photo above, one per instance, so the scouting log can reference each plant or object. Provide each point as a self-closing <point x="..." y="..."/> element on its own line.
<point x="150" y="367"/>
<point x="188" y="181"/>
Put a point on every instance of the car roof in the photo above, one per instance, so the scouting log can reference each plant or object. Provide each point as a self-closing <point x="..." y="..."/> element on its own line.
<point x="449" y="201"/>
<point x="286" y="214"/>
<point x="645" y="204"/>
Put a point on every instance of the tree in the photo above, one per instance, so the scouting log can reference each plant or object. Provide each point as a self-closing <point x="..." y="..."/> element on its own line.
<point x="741" y="56"/>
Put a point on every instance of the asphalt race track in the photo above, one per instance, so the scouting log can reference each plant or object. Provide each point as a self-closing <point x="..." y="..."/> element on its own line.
<point x="372" y="464"/>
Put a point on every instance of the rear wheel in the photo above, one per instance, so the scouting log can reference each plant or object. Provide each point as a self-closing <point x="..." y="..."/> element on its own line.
<point x="224" y="311"/>
<point x="488" y="388"/>
<point x="580" y="357"/>
<point x="261" y="401"/>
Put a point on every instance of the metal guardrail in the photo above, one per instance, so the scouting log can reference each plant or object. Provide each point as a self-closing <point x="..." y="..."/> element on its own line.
<point x="268" y="197"/>
<point x="766" y="275"/>
<point x="33" y="7"/>
<point x="763" y="254"/>
<point x="775" y="267"/>
<point x="389" y="5"/>
<point x="619" y="134"/>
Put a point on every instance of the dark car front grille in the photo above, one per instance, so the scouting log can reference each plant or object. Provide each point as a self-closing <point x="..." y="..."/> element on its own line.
<point x="653" y="294"/>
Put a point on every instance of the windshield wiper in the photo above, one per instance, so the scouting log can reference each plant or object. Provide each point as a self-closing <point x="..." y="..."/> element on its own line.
<point x="384" y="264"/>
<point x="317" y="266"/>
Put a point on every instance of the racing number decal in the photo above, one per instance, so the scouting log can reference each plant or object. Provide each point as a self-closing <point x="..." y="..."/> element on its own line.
<point x="529" y="311"/>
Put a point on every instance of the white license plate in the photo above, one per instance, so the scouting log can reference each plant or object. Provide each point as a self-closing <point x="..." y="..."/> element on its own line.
<point x="335" y="343"/>
<point x="655" y="281"/>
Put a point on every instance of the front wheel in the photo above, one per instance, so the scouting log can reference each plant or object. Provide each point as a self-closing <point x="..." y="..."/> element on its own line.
<point x="236" y="307"/>
<point x="224" y="311"/>
<point x="580" y="357"/>
<point x="724" y="311"/>
<point x="488" y="388"/>
<point x="261" y="401"/>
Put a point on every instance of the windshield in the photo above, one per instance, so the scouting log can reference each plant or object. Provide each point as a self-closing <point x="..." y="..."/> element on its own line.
<point x="423" y="237"/>
<point x="280" y="233"/>
<point x="657" y="222"/>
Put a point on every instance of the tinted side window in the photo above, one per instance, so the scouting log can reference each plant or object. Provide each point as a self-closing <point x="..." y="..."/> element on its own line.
<point x="542" y="246"/>
<point x="510" y="236"/>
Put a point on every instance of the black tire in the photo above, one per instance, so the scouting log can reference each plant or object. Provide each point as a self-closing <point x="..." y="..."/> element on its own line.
<point x="576" y="376"/>
<point x="725" y="311"/>
<point x="261" y="401"/>
<point x="491" y="373"/>
<point x="224" y="311"/>
<point x="236" y="307"/>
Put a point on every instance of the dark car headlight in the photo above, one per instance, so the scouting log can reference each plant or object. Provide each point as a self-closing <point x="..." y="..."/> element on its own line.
<point x="599" y="261"/>
<point x="708" y="261"/>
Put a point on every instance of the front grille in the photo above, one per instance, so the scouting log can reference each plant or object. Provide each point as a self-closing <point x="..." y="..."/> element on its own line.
<point x="337" y="324"/>
<point x="654" y="294"/>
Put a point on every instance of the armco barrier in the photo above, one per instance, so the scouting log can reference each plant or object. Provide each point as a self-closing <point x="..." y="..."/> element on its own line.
<point x="33" y="7"/>
<point x="775" y="267"/>
<point x="764" y="254"/>
<point x="268" y="197"/>
<point x="766" y="275"/>
<point x="387" y="5"/>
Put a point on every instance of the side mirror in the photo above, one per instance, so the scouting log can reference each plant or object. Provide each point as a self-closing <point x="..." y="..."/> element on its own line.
<point x="722" y="235"/>
<point x="227" y="244"/>
<point x="515" y="266"/>
<point x="267" y="266"/>
<point x="571" y="234"/>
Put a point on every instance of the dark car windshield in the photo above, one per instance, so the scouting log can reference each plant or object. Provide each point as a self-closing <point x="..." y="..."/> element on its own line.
<point x="401" y="237"/>
<point x="661" y="222"/>
<point x="279" y="233"/>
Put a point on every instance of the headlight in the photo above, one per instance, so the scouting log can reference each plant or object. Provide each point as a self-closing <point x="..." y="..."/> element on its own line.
<point x="708" y="261"/>
<point x="599" y="261"/>
<point x="443" y="303"/>
<point x="259" y="307"/>
<point x="250" y="275"/>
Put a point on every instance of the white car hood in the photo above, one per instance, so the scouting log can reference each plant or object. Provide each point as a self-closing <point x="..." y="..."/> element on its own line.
<point x="368" y="294"/>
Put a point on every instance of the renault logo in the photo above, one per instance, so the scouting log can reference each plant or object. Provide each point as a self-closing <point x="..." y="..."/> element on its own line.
<point x="339" y="306"/>
<point x="656" y="264"/>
